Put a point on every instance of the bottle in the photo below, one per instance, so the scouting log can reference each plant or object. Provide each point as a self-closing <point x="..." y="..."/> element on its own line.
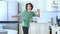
<point x="56" y="20"/>
<point x="51" y="20"/>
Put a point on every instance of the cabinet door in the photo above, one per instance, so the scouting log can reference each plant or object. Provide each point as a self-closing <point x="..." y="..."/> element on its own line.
<point x="43" y="28"/>
<point x="49" y="5"/>
<point x="59" y="4"/>
<point x="3" y="11"/>
<point x="33" y="29"/>
<point x="39" y="28"/>
<point x="38" y="4"/>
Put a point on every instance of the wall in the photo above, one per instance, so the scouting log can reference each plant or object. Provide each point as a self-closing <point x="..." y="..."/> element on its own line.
<point x="45" y="16"/>
<point x="58" y="15"/>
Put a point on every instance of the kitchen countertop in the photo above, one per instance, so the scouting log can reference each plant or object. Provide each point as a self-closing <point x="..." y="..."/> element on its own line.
<point x="8" y="21"/>
<point x="36" y="22"/>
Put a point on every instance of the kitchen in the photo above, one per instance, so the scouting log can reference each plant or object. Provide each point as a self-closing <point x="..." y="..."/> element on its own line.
<point x="45" y="24"/>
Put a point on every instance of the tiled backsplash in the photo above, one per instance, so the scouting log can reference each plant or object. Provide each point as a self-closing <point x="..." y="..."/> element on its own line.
<point x="45" y="16"/>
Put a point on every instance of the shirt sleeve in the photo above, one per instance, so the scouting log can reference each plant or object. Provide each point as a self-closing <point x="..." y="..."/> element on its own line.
<point x="33" y="14"/>
<point x="21" y="13"/>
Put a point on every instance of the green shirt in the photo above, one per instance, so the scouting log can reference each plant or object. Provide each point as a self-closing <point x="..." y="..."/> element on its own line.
<point x="26" y="17"/>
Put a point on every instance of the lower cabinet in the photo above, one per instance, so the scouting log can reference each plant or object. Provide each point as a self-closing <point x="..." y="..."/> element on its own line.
<point x="33" y="28"/>
<point x="36" y="28"/>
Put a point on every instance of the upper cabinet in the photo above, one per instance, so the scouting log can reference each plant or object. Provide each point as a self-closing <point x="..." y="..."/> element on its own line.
<point x="52" y="5"/>
<point x="43" y="5"/>
<point x="48" y="5"/>
<point x="37" y="4"/>
<point x="59" y="4"/>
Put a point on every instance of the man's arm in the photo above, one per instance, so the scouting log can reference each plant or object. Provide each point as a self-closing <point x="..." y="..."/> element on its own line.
<point x="38" y="12"/>
<point x="16" y="16"/>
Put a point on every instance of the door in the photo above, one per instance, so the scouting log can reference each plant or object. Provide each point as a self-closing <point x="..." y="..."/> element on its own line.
<point x="12" y="10"/>
<point x="3" y="10"/>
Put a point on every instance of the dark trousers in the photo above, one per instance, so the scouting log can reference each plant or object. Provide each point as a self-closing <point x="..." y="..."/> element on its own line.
<point x="25" y="30"/>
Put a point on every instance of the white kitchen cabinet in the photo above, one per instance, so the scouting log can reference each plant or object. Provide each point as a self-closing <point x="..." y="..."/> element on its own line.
<point x="48" y="5"/>
<point x="39" y="28"/>
<point x="33" y="28"/>
<point x="36" y="28"/>
<point x="37" y="4"/>
<point x="52" y="5"/>
<point x="43" y="28"/>
<point x="59" y="4"/>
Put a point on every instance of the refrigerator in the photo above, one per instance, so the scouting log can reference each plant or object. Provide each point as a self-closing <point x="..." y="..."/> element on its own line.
<point x="8" y="9"/>
<point x="3" y="11"/>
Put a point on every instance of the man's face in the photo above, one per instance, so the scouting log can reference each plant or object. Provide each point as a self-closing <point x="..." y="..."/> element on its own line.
<point x="29" y="7"/>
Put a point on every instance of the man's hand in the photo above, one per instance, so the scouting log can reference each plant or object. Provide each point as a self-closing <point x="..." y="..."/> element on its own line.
<point x="38" y="12"/>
